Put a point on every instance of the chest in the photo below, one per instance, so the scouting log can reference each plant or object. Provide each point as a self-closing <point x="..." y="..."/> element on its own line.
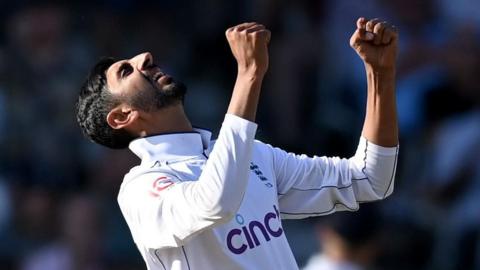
<point x="257" y="222"/>
<point x="261" y="192"/>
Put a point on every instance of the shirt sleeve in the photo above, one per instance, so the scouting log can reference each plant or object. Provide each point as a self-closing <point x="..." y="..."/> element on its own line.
<point x="312" y="186"/>
<point x="184" y="208"/>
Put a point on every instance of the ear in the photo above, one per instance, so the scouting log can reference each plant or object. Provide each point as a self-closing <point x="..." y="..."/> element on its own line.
<point x="121" y="117"/>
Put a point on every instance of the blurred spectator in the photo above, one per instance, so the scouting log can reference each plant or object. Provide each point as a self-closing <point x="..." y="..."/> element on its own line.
<point x="441" y="185"/>
<point x="462" y="12"/>
<point x="33" y="223"/>
<point x="5" y="204"/>
<point x="349" y="241"/>
<point x="80" y="245"/>
<point x="453" y="183"/>
<point x="38" y="83"/>
<point x="420" y="69"/>
<point x="295" y="52"/>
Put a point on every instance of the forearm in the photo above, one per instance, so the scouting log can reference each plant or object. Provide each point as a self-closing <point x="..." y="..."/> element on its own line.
<point x="219" y="191"/>
<point x="381" y="124"/>
<point x="246" y="94"/>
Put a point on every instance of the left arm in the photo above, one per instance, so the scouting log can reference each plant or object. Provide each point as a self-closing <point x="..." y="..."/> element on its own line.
<point x="376" y="44"/>
<point x="312" y="186"/>
<point x="321" y="185"/>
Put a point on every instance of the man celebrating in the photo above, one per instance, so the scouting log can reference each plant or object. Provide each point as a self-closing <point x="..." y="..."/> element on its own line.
<point x="192" y="204"/>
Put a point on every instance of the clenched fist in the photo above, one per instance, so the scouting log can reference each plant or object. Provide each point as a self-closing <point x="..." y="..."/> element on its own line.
<point x="375" y="41"/>
<point x="248" y="42"/>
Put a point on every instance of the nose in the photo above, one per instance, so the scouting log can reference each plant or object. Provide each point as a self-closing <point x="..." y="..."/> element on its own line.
<point x="143" y="61"/>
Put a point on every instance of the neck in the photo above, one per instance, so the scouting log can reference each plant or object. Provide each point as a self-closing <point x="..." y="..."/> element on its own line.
<point x="171" y="119"/>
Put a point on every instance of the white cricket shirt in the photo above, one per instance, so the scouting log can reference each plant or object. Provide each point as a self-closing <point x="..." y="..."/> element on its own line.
<point x="192" y="204"/>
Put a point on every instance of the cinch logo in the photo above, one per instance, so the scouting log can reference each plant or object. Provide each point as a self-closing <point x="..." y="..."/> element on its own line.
<point x="238" y="240"/>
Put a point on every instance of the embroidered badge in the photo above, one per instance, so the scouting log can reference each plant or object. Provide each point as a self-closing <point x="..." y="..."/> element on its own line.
<point x="161" y="183"/>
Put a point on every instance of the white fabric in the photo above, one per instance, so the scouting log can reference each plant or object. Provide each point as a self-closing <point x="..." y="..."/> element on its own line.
<point x="322" y="262"/>
<point x="187" y="211"/>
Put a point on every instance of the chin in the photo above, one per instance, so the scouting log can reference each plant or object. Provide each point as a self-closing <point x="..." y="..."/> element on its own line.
<point x="169" y="87"/>
<point x="174" y="89"/>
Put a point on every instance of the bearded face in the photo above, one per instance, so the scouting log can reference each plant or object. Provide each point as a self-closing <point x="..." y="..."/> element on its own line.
<point x="141" y="84"/>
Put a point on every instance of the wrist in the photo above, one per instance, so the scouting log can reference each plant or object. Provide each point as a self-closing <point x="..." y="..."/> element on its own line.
<point x="250" y="74"/>
<point x="380" y="71"/>
<point x="380" y="80"/>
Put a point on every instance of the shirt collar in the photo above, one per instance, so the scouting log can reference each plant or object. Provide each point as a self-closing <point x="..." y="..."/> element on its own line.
<point x="171" y="146"/>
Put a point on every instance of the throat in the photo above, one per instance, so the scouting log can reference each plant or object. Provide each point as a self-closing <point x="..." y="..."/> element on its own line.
<point x="167" y="120"/>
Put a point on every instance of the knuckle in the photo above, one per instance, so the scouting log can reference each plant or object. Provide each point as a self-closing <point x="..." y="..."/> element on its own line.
<point x="370" y="25"/>
<point x="373" y="22"/>
<point x="381" y="24"/>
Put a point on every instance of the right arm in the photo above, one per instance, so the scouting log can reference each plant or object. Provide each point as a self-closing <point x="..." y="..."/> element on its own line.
<point x="252" y="63"/>
<point x="188" y="208"/>
<point x="322" y="185"/>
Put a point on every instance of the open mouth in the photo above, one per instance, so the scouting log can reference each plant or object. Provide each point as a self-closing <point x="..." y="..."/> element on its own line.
<point x="158" y="76"/>
<point x="162" y="79"/>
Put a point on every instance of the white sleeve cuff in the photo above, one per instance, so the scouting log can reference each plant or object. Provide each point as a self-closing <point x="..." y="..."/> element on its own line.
<point x="376" y="149"/>
<point x="238" y="124"/>
<point x="377" y="164"/>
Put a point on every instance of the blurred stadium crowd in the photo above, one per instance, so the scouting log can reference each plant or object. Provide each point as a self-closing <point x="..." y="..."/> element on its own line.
<point x="58" y="191"/>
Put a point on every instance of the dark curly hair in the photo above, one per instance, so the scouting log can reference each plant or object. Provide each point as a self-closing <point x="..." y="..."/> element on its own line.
<point x="94" y="103"/>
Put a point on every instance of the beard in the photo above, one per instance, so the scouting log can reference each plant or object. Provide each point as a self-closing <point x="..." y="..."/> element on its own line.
<point x="154" y="98"/>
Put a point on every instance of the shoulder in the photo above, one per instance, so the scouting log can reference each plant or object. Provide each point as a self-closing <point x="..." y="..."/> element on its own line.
<point x="137" y="174"/>
<point x="262" y="148"/>
<point x="145" y="184"/>
<point x="259" y="148"/>
<point x="268" y="151"/>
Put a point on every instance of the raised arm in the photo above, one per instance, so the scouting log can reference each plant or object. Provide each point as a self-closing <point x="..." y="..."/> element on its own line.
<point x="222" y="183"/>
<point x="185" y="208"/>
<point x="375" y="41"/>
<point x="322" y="185"/>
<point x="248" y="43"/>
<point x="221" y="186"/>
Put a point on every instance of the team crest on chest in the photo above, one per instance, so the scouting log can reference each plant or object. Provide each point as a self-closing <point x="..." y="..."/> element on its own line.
<point x="160" y="184"/>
